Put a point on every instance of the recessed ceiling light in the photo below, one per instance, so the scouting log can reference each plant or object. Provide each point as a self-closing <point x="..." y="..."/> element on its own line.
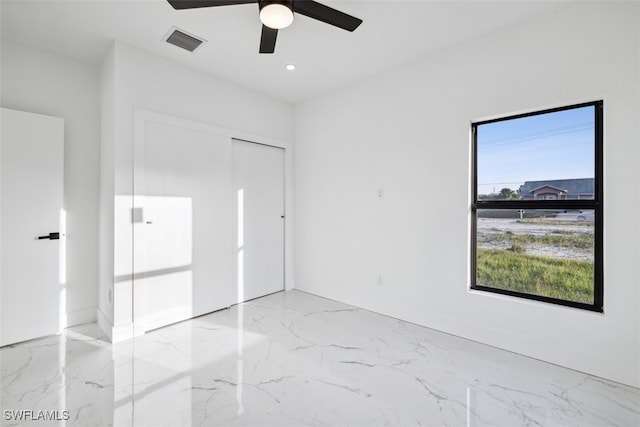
<point x="290" y="67"/>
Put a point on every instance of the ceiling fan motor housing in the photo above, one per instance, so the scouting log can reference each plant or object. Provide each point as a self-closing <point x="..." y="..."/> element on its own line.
<point x="288" y="3"/>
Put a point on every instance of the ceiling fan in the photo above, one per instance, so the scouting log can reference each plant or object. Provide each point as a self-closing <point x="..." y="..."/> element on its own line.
<point x="278" y="14"/>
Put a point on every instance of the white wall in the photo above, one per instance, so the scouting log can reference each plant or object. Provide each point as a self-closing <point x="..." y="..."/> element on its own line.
<point x="408" y="132"/>
<point x="141" y="80"/>
<point x="39" y="82"/>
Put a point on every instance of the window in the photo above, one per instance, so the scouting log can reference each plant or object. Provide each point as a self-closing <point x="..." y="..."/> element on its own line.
<point x="537" y="206"/>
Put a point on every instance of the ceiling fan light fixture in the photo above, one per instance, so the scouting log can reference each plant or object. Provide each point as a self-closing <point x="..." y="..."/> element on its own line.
<point x="276" y="15"/>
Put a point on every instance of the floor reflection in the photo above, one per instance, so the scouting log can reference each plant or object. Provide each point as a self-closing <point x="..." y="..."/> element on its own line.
<point x="295" y="359"/>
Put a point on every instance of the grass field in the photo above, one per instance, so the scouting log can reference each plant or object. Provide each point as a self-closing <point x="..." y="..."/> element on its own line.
<point x="560" y="239"/>
<point x="566" y="279"/>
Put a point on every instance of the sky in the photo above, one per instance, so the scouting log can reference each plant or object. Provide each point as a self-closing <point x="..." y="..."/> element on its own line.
<point x="548" y="146"/>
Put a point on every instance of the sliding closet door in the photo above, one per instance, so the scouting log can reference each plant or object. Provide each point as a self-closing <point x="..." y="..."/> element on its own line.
<point x="208" y="221"/>
<point x="183" y="237"/>
<point x="258" y="186"/>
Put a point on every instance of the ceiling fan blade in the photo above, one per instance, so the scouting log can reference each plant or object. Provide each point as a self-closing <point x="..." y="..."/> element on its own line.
<point x="192" y="4"/>
<point x="326" y="14"/>
<point x="268" y="40"/>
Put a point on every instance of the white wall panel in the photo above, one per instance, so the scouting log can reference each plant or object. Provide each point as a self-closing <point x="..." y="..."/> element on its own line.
<point x="139" y="80"/>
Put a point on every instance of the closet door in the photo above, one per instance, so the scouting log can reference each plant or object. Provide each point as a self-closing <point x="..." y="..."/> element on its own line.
<point x="258" y="186"/>
<point x="183" y="237"/>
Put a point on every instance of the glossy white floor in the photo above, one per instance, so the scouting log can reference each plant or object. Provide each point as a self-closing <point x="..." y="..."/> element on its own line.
<point x="296" y="359"/>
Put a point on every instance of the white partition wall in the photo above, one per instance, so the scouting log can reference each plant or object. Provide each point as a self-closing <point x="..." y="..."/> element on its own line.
<point x="133" y="82"/>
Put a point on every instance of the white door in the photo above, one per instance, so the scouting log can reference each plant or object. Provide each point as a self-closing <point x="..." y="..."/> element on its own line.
<point x="183" y="265"/>
<point x="32" y="298"/>
<point x="258" y="185"/>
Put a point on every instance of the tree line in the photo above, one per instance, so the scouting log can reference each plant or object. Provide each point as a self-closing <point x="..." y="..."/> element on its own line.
<point x="504" y="194"/>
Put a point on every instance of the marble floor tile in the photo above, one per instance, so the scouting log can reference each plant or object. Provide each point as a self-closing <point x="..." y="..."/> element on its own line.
<point x="294" y="359"/>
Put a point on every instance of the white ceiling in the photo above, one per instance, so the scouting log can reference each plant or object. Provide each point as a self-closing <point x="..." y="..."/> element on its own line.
<point x="394" y="33"/>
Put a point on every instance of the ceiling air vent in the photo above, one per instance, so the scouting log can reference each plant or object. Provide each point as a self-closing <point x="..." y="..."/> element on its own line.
<point x="183" y="39"/>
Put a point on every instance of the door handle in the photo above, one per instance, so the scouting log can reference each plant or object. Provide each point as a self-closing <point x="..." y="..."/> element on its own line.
<point x="50" y="236"/>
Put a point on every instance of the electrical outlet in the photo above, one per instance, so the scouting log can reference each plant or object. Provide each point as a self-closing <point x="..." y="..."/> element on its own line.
<point x="379" y="281"/>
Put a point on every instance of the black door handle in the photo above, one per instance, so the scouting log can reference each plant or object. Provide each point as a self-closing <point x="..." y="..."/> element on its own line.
<point x="51" y="236"/>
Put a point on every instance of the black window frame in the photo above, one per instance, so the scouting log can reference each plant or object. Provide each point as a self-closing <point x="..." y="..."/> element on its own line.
<point x="595" y="204"/>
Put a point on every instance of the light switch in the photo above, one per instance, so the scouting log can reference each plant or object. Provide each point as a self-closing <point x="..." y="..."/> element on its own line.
<point x="136" y="215"/>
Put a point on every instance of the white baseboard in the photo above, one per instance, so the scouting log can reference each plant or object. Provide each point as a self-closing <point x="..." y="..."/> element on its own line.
<point x="164" y="318"/>
<point x="105" y="324"/>
<point x="80" y="317"/>
<point x="127" y="331"/>
<point x="122" y="332"/>
<point x="114" y="333"/>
